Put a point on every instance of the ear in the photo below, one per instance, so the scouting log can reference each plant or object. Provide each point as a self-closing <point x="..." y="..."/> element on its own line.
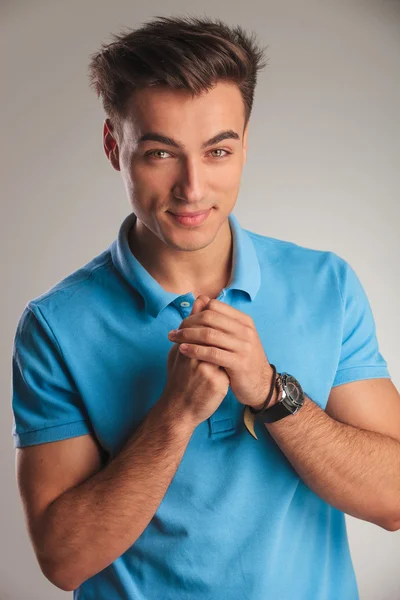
<point x="245" y="136"/>
<point x="110" y="144"/>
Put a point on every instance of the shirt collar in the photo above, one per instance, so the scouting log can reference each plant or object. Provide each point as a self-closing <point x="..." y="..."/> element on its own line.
<point x="245" y="274"/>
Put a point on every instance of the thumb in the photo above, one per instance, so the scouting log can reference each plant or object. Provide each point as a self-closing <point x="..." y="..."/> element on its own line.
<point x="200" y="303"/>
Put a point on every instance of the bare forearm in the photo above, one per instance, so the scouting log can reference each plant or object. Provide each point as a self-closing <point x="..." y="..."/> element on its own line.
<point x="91" y="525"/>
<point x="354" y="470"/>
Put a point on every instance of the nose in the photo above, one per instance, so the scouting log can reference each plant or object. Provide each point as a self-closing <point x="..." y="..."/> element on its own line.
<point x="191" y="182"/>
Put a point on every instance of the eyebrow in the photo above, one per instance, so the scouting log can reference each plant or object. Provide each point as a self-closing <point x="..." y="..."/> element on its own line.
<point x="157" y="137"/>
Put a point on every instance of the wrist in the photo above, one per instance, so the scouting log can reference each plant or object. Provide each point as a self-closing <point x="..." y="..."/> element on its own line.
<point x="178" y="420"/>
<point x="275" y="395"/>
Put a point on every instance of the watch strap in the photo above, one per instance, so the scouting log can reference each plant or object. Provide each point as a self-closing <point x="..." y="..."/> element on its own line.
<point x="274" y="413"/>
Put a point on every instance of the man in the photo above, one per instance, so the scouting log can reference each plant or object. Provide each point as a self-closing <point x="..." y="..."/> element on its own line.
<point x="220" y="471"/>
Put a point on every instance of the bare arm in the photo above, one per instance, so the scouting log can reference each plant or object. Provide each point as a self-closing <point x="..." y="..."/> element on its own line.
<point x="90" y="525"/>
<point x="354" y="463"/>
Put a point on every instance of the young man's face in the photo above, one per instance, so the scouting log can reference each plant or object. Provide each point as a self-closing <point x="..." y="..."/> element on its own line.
<point x="161" y="178"/>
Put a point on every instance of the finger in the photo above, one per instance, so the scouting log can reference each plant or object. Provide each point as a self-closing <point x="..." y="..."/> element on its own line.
<point x="210" y="354"/>
<point x="199" y="304"/>
<point x="229" y="311"/>
<point x="209" y="337"/>
<point x="205" y="299"/>
<point x="219" y="321"/>
<point x="196" y="308"/>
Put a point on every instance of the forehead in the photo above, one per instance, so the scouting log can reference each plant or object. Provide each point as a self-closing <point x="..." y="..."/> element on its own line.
<point x="178" y="113"/>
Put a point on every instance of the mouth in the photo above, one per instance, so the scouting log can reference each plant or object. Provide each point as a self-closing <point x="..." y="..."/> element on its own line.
<point x="191" y="219"/>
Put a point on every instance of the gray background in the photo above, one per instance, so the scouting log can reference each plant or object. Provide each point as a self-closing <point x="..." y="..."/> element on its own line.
<point x="322" y="171"/>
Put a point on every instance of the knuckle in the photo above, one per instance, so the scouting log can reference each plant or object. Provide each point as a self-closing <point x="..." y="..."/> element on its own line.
<point x="204" y="368"/>
<point x="250" y="322"/>
<point x="213" y="303"/>
<point x="248" y="335"/>
<point x="247" y="347"/>
<point x="214" y="352"/>
<point x="210" y="334"/>
<point x="206" y="317"/>
<point x="194" y="349"/>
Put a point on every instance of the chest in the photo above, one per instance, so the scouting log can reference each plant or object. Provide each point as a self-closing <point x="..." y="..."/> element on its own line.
<point x="121" y="372"/>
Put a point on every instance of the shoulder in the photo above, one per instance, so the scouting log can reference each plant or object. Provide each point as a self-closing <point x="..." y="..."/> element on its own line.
<point x="299" y="260"/>
<point x="77" y="292"/>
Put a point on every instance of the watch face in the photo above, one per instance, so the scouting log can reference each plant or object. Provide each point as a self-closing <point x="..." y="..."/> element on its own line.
<point x="293" y="389"/>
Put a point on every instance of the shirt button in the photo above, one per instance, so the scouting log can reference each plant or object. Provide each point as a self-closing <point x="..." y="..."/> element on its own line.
<point x="185" y="303"/>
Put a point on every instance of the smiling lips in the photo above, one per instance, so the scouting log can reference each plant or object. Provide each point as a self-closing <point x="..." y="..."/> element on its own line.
<point x="191" y="218"/>
<point x="190" y="214"/>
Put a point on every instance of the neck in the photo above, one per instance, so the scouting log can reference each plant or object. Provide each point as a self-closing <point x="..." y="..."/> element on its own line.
<point x="205" y="271"/>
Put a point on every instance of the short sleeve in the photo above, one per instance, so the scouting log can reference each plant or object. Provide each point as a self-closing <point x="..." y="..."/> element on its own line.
<point x="360" y="357"/>
<point x="45" y="403"/>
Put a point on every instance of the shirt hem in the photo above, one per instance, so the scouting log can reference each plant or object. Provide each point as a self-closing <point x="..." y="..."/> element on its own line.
<point x="358" y="373"/>
<point x="51" y="434"/>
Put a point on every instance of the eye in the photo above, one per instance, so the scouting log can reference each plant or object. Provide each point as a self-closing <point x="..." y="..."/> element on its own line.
<point x="221" y="150"/>
<point x="151" y="152"/>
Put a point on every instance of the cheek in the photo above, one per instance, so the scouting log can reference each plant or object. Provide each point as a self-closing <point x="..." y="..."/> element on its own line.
<point x="227" y="178"/>
<point x="147" y="178"/>
<point x="153" y="176"/>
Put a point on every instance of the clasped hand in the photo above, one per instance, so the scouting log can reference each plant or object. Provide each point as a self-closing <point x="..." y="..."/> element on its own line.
<point x="225" y="336"/>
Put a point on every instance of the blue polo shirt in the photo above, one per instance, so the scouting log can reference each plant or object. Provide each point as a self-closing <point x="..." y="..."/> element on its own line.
<point x="236" y="522"/>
